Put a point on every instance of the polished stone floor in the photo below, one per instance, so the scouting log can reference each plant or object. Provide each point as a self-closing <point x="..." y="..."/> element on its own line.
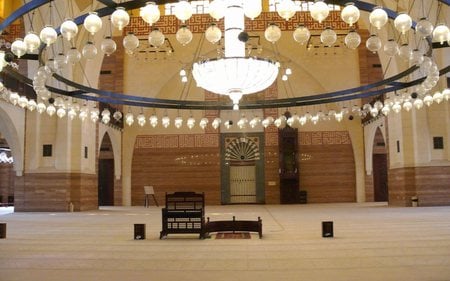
<point x="372" y="242"/>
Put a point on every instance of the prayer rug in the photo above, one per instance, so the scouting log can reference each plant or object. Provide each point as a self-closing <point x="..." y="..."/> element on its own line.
<point x="231" y="235"/>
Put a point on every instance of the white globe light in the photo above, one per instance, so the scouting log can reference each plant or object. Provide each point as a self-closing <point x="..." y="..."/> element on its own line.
<point x="203" y="123"/>
<point x="61" y="112"/>
<point x="48" y="35"/>
<point x="242" y="123"/>
<point x="374" y="112"/>
<point x="178" y="122"/>
<point x="403" y="22"/>
<point x="130" y="43"/>
<point x="150" y="13"/>
<point x="373" y="43"/>
<point x="216" y="123"/>
<point x="405" y="52"/>
<point x="184" y="35"/>
<point x="51" y="110"/>
<point x="129" y="118"/>
<point x="153" y="120"/>
<point x="390" y="48"/>
<point x="350" y="14"/>
<point x="280" y="122"/>
<point x="286" y="9"/>
<point x="352" y="40"/>
<point x="424" y="28"/>
<point x="73" y="56"/>
<point x="31" y="105"/>
<point x="117" y="115"/>
<point x="69" y="29"/>
<point x="165" y="121"/>
<point x="83" y="113"/>
<point x="418" y="103"/>
<point x="301" y="34"/>
<point x="89" y="51"/>
<point x="22" y="101"/>
<point x="217" y="9"/>
<point x="378" y="17"/>
<point x="213" y="34"/>
<point x="141" y="120"/>
<point x="319" y="10"/>
<point x="441" y="33"/>
<point x="272" y="33"/>
<point x="437" y="97"/>
<point x="18" y="47"/>
<point x="428" y="100"/>
<point x="94" y="114"/>
<point x="108" y="46"/>
<point x="407" y="105"/>
<point x="252" y="8"/>
<point x="328" y="37"/>
<point x="72" y="113"/>
<point x="190" y="122"/>
<point x="93" y="23"/>
<point x="183" y="10"/>
<point x="386" y="110"/>
<point x="14" y="98"/>
<point x="156" y="38"/>
<point x="267" y="121"/>
<point x="396" y="107"/>
<point x="446" y="94"/>
<point x="120" y="18"/>
<point x="32" y="41"/>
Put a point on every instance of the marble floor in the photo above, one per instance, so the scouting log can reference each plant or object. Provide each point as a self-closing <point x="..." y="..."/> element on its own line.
<point x="372" y="242"/>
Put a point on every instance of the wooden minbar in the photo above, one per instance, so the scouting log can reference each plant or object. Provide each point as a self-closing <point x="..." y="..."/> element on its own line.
<point x="184" y="213"/>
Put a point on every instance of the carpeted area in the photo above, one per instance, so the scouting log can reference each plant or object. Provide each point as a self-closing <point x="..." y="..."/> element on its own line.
<point x="371" y="242"/>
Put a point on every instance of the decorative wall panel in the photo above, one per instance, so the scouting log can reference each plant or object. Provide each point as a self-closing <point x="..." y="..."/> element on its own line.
<point x="324" y="138"/>
<point x="200" y="22"/>
<point x="176" y="141"/>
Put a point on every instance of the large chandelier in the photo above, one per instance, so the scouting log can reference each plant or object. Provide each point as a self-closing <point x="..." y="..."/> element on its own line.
<point x="235" y="75"/>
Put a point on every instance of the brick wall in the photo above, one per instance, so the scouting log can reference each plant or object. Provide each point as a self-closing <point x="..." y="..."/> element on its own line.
<point x="430" y="184"/>
<point x="7" y="176"/>
<point x="43" y="192"/>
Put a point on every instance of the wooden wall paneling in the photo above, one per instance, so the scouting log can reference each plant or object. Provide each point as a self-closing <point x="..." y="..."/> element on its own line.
<point x="53" y="191"/>
<point x="7" y="176"/>
<point x="327" y="173"/>
<point x="401" y="186"/>
<point x="176" y="169"/>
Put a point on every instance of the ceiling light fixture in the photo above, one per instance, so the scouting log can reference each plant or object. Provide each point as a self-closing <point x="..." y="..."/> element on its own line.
<point x="235" y="75"/>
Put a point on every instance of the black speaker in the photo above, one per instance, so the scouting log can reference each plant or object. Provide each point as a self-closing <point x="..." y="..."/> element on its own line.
<point x="139" y="231"/>
<point x="327" y="229"/>
<point x="2" y="230"/>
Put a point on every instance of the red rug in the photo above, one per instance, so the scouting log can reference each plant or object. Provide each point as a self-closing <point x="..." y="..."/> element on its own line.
<point x="230" y="235"/>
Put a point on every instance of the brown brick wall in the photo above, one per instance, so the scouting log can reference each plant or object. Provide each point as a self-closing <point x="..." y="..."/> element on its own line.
<point x="53" y="192"/>
<point x="430" y="184"/>
<point x="176" y="169"/>
<point x="327" y="173"/>
<point x="7" y="176"/>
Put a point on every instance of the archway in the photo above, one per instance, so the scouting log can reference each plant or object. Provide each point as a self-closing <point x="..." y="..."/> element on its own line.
<point x="106" y="173"/>
<point x="6" y="174"/>
<point x="379" y="164"/>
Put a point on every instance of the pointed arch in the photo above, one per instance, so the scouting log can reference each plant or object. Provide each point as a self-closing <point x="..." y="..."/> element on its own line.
<point x="116" y="142"/>
<point x="13" y="129"/>
<point x="369" y="138"/>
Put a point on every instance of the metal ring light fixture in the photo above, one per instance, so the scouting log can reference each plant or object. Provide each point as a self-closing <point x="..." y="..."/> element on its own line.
<point x="85" y="92"/>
